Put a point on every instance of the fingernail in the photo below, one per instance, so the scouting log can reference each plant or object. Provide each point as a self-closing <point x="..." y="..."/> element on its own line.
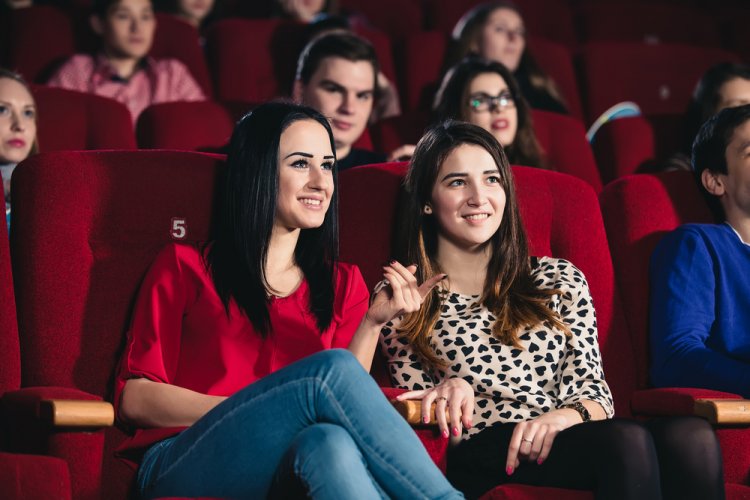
<point x="540" y="461"/>
<point x="445" y="433"/>
<point x="393" y="262"/>
<point x="455" y="431"/>
<point x="509" y="470"/>
<point x="469" y="424"/>
<point x="426" y="420"/>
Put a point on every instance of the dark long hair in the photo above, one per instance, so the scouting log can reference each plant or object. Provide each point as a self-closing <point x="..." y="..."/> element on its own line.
<point x="467" y="32"/>
<point x="450" y="103"/>
<point x="237" y="258"/>
<point x="509" y="291"/>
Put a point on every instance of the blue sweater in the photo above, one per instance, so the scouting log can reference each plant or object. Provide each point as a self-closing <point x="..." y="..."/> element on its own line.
<point x="700" y="309"/>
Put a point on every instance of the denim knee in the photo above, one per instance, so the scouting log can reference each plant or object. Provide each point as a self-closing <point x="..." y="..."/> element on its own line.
<point x="327" y="444"/>
<point x="341" y="360"/>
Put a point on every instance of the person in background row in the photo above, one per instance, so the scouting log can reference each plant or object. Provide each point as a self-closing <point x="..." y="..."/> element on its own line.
<point x="122" y="69"/>
<point x="700" y="291"/>
<point x="336" y="75"/>
<point x="723" y="86"/>
<point x="193" y="12"/>
<point x="496" y="31"/>
<point x="18" y="138"/>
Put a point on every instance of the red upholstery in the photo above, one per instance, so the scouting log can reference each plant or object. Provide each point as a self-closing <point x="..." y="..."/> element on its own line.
<point x="70" y="120"/>
<point x="659" y="78"/>
<point x="10" y="360"/>
<point x="178" y="40"/>
<point x="196" y="126"/>
<point x="381" y="15"/>
<point x="648" y="22"/>
<point x="33" y="477"/>
<point x="562" y="218"/>
<point x="35" y="40"/>
<point x="638" y="211"/>
<point x="564" y="142"/>
<point x="104" y="216"/>
<point x="622" y="146"/>
<point x="267" y="70"/>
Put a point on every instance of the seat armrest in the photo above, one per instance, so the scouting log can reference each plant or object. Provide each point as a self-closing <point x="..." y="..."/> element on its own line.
<point x="723" y="411"/>
<point x="58" y="407"/>
<point x="674" y="401"/>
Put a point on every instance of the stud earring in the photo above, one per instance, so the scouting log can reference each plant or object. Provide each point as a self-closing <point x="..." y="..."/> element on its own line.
<point x="427" y="209"/>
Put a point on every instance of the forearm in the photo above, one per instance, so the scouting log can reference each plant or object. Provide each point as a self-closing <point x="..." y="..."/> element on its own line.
<point x="365" y="341"/>
<point x="700" y="366"/>
<point x="146" y="403"/>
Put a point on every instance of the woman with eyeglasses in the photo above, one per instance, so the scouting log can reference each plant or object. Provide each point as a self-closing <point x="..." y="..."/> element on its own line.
<point x="484" y="93"/>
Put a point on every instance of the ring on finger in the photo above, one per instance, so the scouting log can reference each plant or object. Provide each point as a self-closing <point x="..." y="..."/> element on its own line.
<point x="441" y="398"/>
<point x="382" y="284"/>
<point x="527" y="440"/>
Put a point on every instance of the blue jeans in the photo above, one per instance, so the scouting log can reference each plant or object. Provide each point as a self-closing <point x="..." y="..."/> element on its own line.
<point x="321" y="425"/>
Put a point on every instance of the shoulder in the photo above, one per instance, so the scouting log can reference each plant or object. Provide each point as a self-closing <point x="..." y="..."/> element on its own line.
<point x="169" y="66"/>
<point x="692" y="238"/>
<point x="180" y="259"/>
<point x="552" y="272"/>
<point x="78" y="66"/>
<point x="349" y="282"/>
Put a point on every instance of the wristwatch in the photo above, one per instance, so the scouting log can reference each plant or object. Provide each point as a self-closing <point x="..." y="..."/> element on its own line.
<point x="582" y="411"/>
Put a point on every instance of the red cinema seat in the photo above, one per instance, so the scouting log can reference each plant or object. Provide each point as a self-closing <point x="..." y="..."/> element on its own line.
<point x="190" y="126"/>
<point x="555" y="59"/>
<point x="623" y="146"/>
<point x="648" y="22"/>
<point x="638" y="211"/>
<point x="35" y="40"/>
<point x="563" y="140"/>
<point x="21" y="476"/>
<point x="659" y="78"/>
<point x="70" y="120"/>
<point x="562" y="218"/>
<point x="395" y="18"/>
<point x="104" y="215"/>
<point x="176" y="39"/>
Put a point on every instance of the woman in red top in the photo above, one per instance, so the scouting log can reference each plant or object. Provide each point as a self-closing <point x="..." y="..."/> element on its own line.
<point x="217" y="333"/>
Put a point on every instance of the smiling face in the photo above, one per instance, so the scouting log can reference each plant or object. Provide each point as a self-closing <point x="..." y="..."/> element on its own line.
<point x="498" y="116"/>
<point x="305" y="176"/>
<point x="503" y="38"/>
<point x="468" y="199"/>
<point x="342" y="91"/>
<point x="128" y="29"/>
<point x="17" y="121"/>
<point x="733" y="188"/>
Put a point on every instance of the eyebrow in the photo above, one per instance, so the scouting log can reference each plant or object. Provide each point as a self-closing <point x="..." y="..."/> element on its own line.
<point x="307" y="155"/>
<point x="464" y="174"/>
<point x="340" y="87"/>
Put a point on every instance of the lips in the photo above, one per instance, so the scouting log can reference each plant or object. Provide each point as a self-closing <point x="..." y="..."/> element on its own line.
<point x="500" y="124"/>
<point x="16" y="143"/>
<point x="476" y="217"/>
<point x="341" y="125"/>
<point x="312" y="203"/>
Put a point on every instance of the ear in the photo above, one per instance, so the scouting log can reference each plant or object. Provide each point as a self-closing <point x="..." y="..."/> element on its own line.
<point x="713" y="182"/>
<point x="427" y="209"/>
<point x="297" y="91"/>
<point x="96" y="24"/>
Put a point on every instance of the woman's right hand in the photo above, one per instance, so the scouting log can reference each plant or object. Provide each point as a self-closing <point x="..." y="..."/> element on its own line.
<point x="456" y="395"/>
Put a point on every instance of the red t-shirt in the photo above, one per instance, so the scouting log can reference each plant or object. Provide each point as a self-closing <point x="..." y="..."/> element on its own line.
<point x="181" y="335"/>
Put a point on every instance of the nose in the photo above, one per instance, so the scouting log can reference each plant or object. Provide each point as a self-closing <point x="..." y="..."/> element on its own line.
<point x="347" y="103"/>
<point x="477" y="196"/>
<point x="16" y="123"/>
<point x="317" y="179"/>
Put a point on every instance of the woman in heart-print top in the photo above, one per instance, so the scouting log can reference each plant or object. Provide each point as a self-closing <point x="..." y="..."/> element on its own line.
<point x="507" y="346"/>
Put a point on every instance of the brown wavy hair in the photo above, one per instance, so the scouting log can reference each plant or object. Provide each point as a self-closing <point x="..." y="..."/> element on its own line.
<point x="509" y="290"/>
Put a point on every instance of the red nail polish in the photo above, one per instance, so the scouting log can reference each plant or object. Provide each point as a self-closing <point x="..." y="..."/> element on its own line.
<point x="445" y="433"/>
<point x="426" y="419"/>
<point x="393" y="262"/>
<point x="455" y="431"/>
<point x="509" y="470"/>
<point x="540" y="461"/>
<point x="469" y="424"/>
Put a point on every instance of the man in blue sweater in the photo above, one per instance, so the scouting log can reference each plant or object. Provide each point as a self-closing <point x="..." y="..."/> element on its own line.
<point x="700" y="273"/>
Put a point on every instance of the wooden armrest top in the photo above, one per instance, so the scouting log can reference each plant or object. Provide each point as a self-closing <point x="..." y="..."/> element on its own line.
<point x="411" y="410"/>
<point x="77" y="413"/>
<point x="723" y="411"/>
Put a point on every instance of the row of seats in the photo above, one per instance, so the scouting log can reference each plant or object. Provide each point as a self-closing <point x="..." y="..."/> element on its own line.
<point x="659" y="78"/>
<point x="103" y="224"/>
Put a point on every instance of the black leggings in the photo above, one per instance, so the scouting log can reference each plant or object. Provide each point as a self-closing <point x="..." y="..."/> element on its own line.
<point x="676" y="457"/>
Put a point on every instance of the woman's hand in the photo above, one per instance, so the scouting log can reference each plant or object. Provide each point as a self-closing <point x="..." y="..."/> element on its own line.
<point x="403" y="295"/>
<point x="455" y="394"/>
<point x="532" y="440"/>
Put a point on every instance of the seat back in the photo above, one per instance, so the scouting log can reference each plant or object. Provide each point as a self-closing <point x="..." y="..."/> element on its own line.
<point x="564" y="142"/>
<point x="623" y="146"/>
<point x="638" y="210"/>
<point x="659" y="78"/>
<point x="189" y="126"/>
<point x="35" y="40"/>
<point x="176" y="39"/>
<point x="562" y="219"/>
<point x="70" y="120"/>
<point x="555" y="59"/>
<point x="10" y="354"/>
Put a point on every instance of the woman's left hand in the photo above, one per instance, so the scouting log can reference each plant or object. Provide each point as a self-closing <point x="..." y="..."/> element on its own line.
<point x="403" y="294"/>
<point x="532" y="440"/>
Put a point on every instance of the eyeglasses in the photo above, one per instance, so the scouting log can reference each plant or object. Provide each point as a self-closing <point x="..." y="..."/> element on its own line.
<point x="484" y="102"/>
